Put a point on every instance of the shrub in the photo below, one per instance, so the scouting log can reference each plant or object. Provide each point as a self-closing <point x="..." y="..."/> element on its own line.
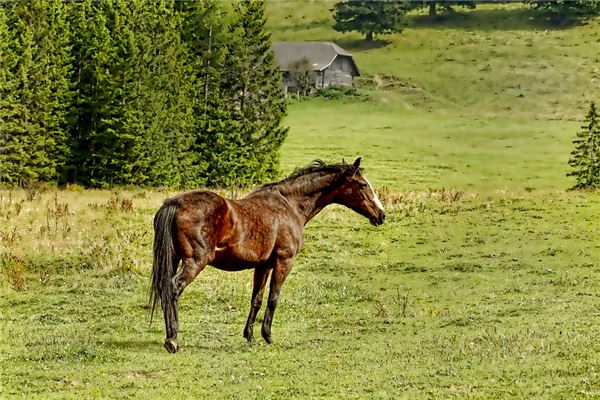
<point x="14" y="269"/>
<point x="337" y="92"/>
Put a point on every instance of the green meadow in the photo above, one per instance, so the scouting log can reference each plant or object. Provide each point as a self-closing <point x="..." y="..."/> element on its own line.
<point x="483" y="283"/>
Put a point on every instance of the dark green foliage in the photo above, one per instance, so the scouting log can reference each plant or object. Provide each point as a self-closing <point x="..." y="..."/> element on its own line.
<point x="434" y="5"/>
<point x="247" y="126"/>
<point x="205" y="30"/>
<point x="93" y="57"/>
<point x="134" y="94"/>
<point x="138" y="92"/>
<point x="370" y="17"/>
<point x="585" y="159"/>
<point x="37" y="116"/>
<point x="9" y="151"/>
<point x="337" y="92"/>
<point x="563" y="12"/>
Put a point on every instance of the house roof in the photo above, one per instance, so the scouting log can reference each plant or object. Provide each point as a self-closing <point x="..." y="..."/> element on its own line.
<point x="319" y="54"/>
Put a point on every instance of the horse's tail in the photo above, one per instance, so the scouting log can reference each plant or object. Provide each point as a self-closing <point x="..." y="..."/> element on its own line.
<point x="163" y="269"/>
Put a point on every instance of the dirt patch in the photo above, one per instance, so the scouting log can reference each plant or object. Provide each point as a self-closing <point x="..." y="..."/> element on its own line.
<point x="138" y="375"/>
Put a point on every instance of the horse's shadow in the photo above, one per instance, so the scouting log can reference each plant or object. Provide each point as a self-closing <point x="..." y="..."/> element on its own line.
<point x="132" y="344"/>
<point x="196" y="345"/>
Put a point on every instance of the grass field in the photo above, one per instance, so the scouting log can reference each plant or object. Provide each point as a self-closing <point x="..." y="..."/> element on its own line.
<point x="483" y="283"/>
<point x="458" y="295"/>
<point x="415" y="150"/>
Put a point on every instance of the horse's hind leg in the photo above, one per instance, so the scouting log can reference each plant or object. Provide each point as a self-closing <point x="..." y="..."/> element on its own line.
<point x="169" y="307"/>
<point x="192" y="266"/>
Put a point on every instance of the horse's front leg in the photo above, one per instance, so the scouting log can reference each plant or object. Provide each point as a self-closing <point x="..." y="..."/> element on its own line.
<point x="281" y="270"/>
<point x="261" y="273"/>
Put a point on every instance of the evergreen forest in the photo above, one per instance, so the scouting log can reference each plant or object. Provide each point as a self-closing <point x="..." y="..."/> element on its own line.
<point x="138" y="92"/>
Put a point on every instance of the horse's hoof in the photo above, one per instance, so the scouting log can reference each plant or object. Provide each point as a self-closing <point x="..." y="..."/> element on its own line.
<point x="268" y="339"/>
<point x="248" y="335"/>
<point x="171" y="345"/>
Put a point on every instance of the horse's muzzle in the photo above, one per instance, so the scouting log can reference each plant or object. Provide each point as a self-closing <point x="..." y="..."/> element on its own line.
<point x="378" y="220"/>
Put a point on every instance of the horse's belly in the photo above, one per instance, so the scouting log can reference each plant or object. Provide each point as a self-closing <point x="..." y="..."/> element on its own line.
<point x="228" y="261"/>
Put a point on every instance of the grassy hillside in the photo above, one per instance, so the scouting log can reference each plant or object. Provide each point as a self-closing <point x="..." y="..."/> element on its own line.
<point x="495" y="60"/>
<point x="481" y="99"/>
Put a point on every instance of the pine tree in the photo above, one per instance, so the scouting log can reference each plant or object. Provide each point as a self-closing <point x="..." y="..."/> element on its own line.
<point x="10" y="151"/>
<point x="107" y="144"/>
<point x="123" y="156"/>
<point x="585" y="159"/>
<point x="93" y="55"/>
<point x="205" y="31"/>
<point x="134" y="94"/>
<point x="168" y="96"/>
<point x="370" y="17"/>
<point x="40" y="112"/>
<point x="249" y="139"/>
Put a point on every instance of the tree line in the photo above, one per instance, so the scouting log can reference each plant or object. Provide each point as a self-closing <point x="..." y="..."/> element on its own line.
<point x="138" y="92"/>
<point x="384" y="17"/>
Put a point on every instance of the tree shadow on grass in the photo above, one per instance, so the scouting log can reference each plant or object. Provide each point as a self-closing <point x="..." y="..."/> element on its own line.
<point x="498" y="19"/>
<point x="362" y="44"/>
<point x="299" y="26"/>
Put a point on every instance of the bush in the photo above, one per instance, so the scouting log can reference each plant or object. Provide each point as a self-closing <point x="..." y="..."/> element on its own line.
<point x="337" y="92"/>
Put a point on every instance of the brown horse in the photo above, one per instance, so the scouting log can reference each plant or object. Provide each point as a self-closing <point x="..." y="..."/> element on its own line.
<point x="261" y="231"/>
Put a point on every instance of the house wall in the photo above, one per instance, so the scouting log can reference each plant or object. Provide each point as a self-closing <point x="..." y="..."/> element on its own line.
<point x="338" y="73"/>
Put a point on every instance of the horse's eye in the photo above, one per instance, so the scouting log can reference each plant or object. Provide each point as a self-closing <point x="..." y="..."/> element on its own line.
<point x="363" y="185"/>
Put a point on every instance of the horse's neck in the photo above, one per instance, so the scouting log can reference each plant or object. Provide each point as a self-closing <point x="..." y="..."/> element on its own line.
<point x="310" y="194"/>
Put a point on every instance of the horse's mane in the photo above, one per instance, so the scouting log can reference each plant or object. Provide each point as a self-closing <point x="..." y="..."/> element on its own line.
<point x="317" y="166"/>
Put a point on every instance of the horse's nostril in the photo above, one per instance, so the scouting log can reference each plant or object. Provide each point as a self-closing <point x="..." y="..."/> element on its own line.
<point x="382" y="217"/>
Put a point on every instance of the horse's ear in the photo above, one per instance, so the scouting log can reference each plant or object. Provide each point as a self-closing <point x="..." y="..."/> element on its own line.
<point x="344" y="162"/>
<point x="356" y="163"/>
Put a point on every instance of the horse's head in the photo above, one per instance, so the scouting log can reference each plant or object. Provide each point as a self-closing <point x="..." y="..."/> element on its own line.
<point x="356" y="193"/>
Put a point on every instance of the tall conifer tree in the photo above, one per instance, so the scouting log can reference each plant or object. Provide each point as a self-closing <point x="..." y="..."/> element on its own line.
<point x="255" y="104"/>
<point x="135" y="94"/>
<point x="93" y="55"/>
<point x="41" y="109"/>
<point x="10" y="150"/>
<point x="585" y="159"/>
<point x="166" y="96"/>
<point x="205" y="31"/>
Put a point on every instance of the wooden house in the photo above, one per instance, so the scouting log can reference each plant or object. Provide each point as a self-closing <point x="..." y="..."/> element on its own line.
<point x="329" y="64"/>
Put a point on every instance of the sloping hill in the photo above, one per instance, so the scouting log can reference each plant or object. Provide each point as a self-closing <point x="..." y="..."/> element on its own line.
<point x="483" y="99"/>
<point x="494" y="60"/>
